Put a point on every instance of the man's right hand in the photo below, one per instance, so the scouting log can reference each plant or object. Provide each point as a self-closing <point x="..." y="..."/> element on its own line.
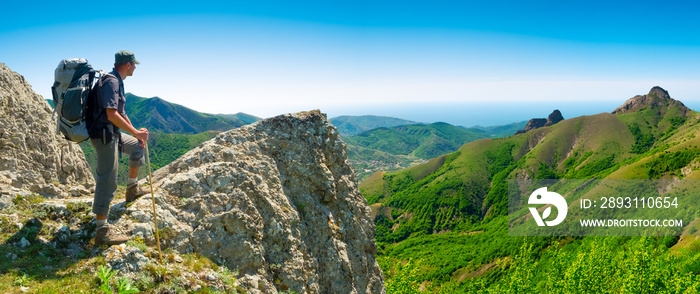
<point x="141" y="134"/>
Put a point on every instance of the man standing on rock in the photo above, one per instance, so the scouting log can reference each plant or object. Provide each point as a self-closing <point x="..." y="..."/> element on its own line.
<point x="106" y="117"/>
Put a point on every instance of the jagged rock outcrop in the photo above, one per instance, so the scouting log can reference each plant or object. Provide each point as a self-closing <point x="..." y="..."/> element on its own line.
<point x="34" y="158"/>
<point x="276" y="201"/>
<point x="657" y="98"/>
<point x="554" y="117"/>
<point x="537" y="123"/>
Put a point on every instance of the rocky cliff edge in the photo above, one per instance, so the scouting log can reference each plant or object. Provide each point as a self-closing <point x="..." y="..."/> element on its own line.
<point x="276" y="201"/>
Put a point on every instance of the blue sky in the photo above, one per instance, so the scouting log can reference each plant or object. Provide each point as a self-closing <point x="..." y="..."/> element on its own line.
<point x="463" y="62"/>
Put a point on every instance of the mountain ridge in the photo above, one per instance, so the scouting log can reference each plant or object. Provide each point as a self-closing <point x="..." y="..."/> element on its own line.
<point x="499" y="131"/>
<point x="411" y="139"/>
<point x="160" y="115"/>
<point x="353" y="125"/>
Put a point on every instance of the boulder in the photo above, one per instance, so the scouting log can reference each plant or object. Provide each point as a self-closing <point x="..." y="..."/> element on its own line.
<point x="34" y="157"/>
<point x="276" y="201"/>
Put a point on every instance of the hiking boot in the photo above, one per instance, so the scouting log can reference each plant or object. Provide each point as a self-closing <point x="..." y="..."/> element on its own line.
<point x="134" y="191"/>
<point x="106" y="235"/>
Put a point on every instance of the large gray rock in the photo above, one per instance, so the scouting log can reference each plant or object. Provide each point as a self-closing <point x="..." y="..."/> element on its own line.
<point x="34" y="158"/>
<point x="277" y="201"/>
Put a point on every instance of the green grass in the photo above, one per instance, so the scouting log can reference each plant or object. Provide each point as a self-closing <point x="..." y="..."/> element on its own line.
<point x="61" y="256"/>
<point x="670" y="162"/>
<point x="47" y="268"/>
<point x="43" y="267"/>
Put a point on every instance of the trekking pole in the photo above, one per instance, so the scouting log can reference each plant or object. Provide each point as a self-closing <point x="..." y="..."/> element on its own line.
<point x="153" y="197"/>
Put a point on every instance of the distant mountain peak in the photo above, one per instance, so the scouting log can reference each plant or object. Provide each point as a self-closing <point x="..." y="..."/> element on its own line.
<point x="660" y="93"/>
<point x="555" y="117"/>
<point x="159" y="115"/>
<point x="537" y="123"/>
<point x="656" y="98"/>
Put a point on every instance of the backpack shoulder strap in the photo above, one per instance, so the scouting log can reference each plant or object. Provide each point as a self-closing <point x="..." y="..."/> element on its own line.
<point x="105" y="75"/>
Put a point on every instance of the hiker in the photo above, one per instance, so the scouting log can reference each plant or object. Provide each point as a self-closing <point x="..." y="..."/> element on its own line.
<point x="105" y="119"/>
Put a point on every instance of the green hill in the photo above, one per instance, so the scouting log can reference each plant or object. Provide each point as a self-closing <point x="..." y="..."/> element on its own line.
<point x="161" y="116"/>
<point x="243" y="117"/>
<point x="353" y="125"/>
<point x="448" y="216"/>
<point x="503" y="130"/>
<point x="390" y="149"/>
<point x="421" y="141"/>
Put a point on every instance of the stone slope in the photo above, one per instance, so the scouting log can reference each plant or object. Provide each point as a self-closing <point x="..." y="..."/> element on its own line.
<point x="276" y="201"/>
<point x="34" y="158"/>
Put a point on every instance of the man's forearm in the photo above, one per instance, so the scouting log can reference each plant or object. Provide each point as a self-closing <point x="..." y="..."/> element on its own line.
<point x="126" y="117"/>
<point x="114" y="117"/>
